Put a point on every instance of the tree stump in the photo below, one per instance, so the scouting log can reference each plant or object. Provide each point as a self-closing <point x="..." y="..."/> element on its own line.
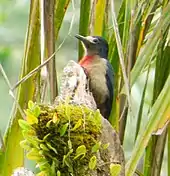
<point x="71" y="137"/>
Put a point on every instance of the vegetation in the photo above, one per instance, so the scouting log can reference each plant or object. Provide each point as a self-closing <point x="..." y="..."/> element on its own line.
<point x="60" y="139"/>
<point x="139" y="39"/>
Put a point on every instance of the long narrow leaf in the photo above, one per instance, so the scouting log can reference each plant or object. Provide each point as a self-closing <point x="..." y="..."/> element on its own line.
<point x="14" y="154"/>
<point x="158" y="111"/>
<point x="99" y="17"/>
<point x="60" y="9"/>
<point x="155" y="154"/>
<point x="139" y="117"/>
<point x="114" y="59"/>
<point x="146" y="53"/>
<point x="168" y="145"/>
<point x="84" y="22"/>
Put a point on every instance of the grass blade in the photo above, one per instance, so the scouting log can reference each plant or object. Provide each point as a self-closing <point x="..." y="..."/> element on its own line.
<point x="14" y="154"/>
<point x="168" y="145"/>
<point x="149" y="48"/>
<point x="60" y="9"/>
<point x="84" y="22"/>
<point x="99" y="14"/>
<point x="159" y="109"/>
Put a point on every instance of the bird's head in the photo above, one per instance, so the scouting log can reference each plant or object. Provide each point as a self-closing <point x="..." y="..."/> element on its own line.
<point x="94" y="45"/>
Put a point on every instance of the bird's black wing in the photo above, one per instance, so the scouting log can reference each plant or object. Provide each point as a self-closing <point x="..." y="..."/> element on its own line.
<point x="110" y="84"/>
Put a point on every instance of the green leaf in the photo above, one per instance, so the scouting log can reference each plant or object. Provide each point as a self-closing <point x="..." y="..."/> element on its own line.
<point x="58" y="173"/>
<point x="115" y="169"/>
<point x="77" y="125"/>
<point x="96" y="147"/>
<point x="53" y="171"/>
<point x="97" y="118"/>
<point x="63" y="129"/>
<point x="33" y="140"/>
<point x="34" y="154"/>
<point x="46" y="137"/>
<point x="147" y="51"/>
<point x="67" y="162"/>
<point x="69" y="144"/>
<point x="33" y="109"/>
<point x="105" y="146"/>
<point x="60" y="9"/>
<point x="84" y="22"/>
<point x="49" y="123"/>
<point x="31" y="105"/>
<point x="42" y="173"/>
<point x="44" y="147"/>
<point x="52" y="148"/>
<point x="55" y="119"/>
<point x="14" y="154"/>
<point x="37" y="111"/>
<point x="80" y="152"/>
<point x="159" y="110"/>
<point x="43" y="164"/>
<point x="168" y="147"/>
<point x="25" y="144"/>
<point x="92" y="163"/>
<point x="24" y="125"/>
<point x="98" y="19"/>
<point x="31" y="118"/>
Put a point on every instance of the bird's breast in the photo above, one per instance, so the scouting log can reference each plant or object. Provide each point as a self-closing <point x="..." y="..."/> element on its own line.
<point x="96" y="70"/>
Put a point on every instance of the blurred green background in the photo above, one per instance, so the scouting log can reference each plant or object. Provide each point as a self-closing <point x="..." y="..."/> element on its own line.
<point x="13" y="27"/>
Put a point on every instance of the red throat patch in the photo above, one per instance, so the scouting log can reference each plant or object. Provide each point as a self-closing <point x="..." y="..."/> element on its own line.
<point x="86" y="60"/>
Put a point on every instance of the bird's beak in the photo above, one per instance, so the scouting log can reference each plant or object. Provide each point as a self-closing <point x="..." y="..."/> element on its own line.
<point x="86" y="40"/>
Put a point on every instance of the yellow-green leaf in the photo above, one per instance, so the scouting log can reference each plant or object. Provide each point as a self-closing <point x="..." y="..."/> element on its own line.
<point x="24" y="125"/>
<point x="84" y="22"/>
<point x="99" y="17"/>
<point x="96" y="147"/>
<point x="34" y="154"/>
<point x="80" y="151"/>
<point x="31" y="105"/>
<point x="63" y="129"/>
<point x="55" y="118"/>
<point x="51" y="147"/>
<point x="44" y="147"/>
<point x="93" y="162"/>
<point x="77" y="125"/>
<point x="115" y="169"/>
<point x="31" y="119"/>
<point x="58" y="173"/>
<point x="25" y="144"/>
<point x="105" y="146"/>
<point x="37" y="111"/>
<point x="69" y="144"/>
<point x="42" y="173"/>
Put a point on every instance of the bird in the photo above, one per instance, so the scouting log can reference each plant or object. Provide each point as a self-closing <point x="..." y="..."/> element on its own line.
<point x="99" y="71"/>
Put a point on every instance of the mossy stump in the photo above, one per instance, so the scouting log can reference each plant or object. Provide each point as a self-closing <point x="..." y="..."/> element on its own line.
<point x="71" y="137"/>
<point x="70" y="140"/>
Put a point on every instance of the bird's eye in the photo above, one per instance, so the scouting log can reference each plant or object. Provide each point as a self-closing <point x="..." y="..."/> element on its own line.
<point x="95" y="40"/>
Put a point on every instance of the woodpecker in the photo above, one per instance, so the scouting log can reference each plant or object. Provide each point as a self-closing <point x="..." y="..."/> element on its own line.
<point x="99" y="71"/>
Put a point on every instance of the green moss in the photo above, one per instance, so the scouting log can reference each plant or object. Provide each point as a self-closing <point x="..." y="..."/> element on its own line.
<point x="62" y="139"/>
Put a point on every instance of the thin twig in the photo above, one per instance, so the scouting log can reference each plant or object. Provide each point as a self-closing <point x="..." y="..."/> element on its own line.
<point x="11" y="91"/>
<point x="120" y="52"/>
<point x="33" y="71"/>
